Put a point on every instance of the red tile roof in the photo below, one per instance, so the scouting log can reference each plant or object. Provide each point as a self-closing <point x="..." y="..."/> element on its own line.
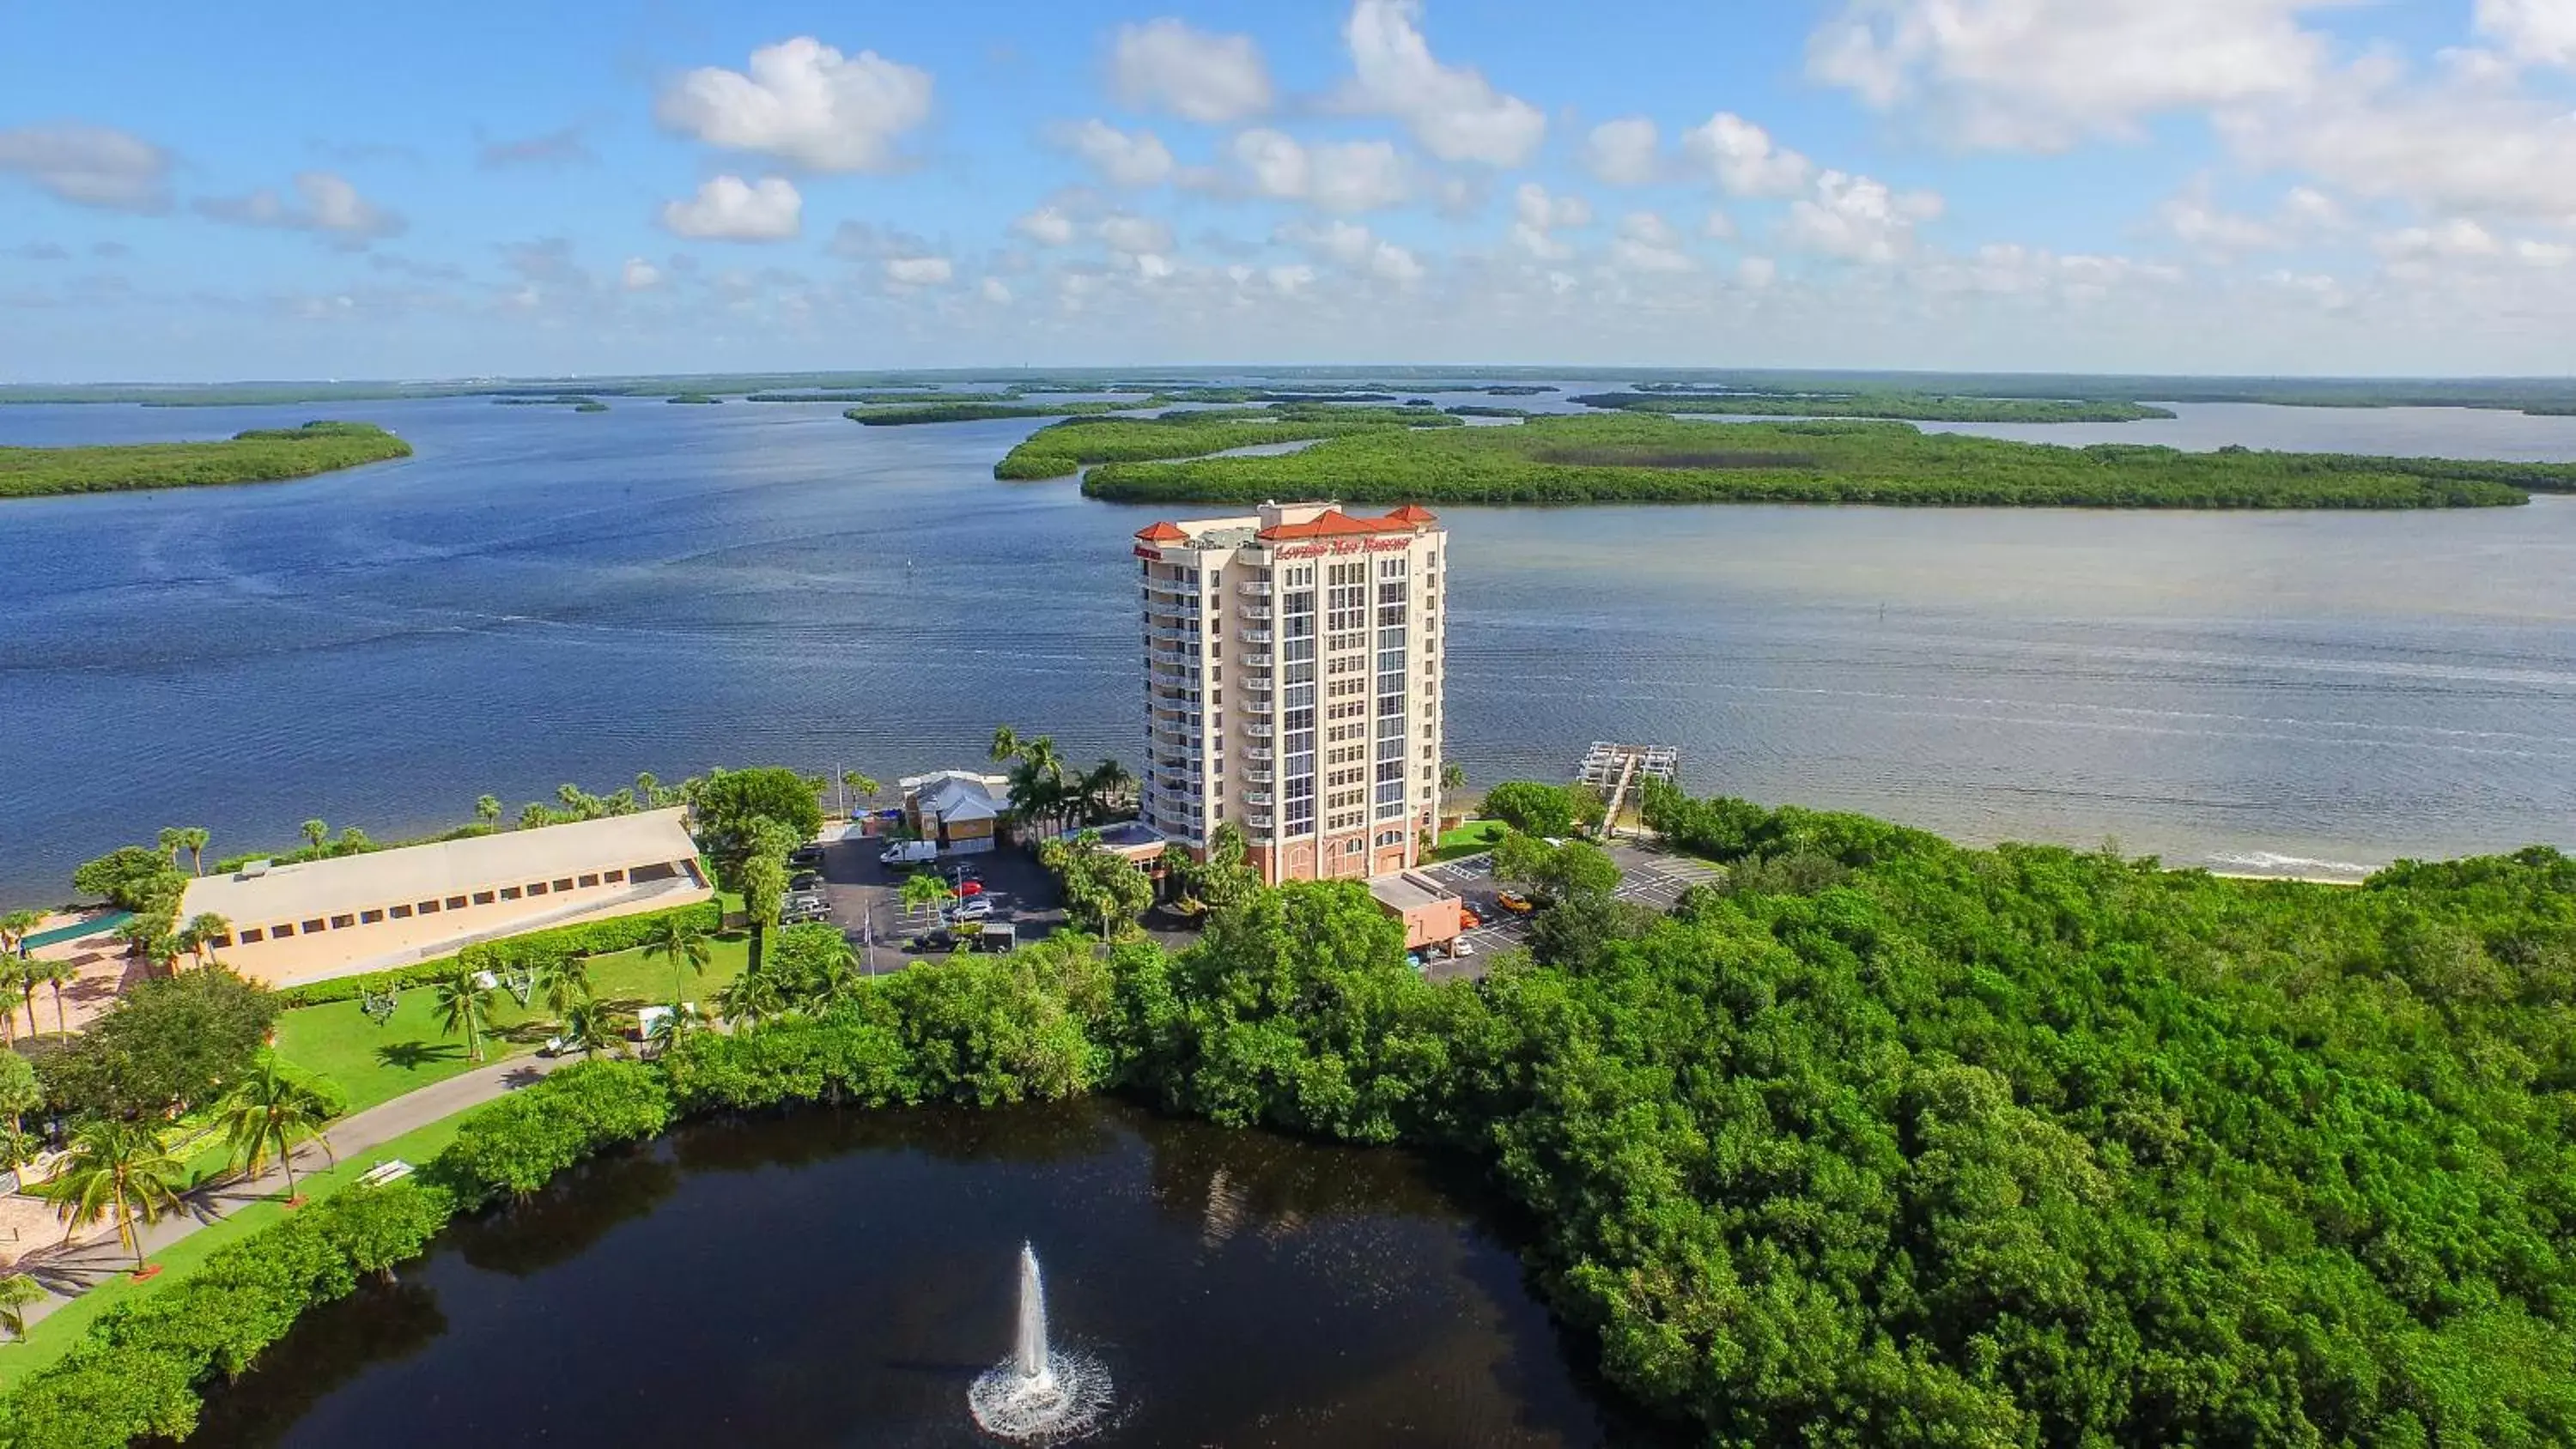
<point x="1334" y="523"/>
<point x="1163" y="532"/>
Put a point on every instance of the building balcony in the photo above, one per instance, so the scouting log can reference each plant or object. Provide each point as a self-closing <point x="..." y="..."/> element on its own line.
<point x="1170" y="679"/>
<point x="1176" y="658"/>
<point x="1259" y="822"/>
<point x="1256" y="661"/>
<point x="1253" y="591"/>
<point x="1257" y="797"/>
<point x="1261" y="729"/>
<point x="1258" y="777"/>
<point x="1259" y="752"/>
<point x="1160" y="634"/>
<point x="1256" y="636"/>
<point x="1255" y="611"/>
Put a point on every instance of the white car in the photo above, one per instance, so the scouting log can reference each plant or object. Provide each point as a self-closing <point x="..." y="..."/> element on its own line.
<point x="973" y="908"/>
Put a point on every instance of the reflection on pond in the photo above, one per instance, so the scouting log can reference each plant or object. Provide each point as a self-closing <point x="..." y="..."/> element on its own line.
<point x="842" y="1278"/>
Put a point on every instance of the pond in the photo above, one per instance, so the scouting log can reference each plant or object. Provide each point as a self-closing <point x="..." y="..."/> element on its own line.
<point x="841" y="1278"/>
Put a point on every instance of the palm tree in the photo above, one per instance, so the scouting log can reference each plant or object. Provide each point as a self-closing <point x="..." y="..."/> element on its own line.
<point x="25" y="980"/>
<point x="677" y="1018"/>
<point x="565" y="980"/>
<point x="1101" y="785"/>
<point x="839" y="979"/>
<point x="648" y="790"/>
<point x="173" y="840"/>
<point x="197" y="838"/>
<point x="315" y="832"/>
<point x="18" y="1293"/>
<point x="860" y="788"/>
<point x="202" y="931"/>
<point x="1453" y="778"/>
<point x="465" y="1006"/>
<point x="10" y="968"/>
<point x="16" y="927"/>
<point x="752" y="998"/>
<point x="682" y="941"/>
<point x="271" y="1110"/>
<point x="488" y="810"/>
<point x="585" y="1026"/>
<point x="57" y="974"/>
<point x="928" y="888"/>
<point x="535" y="816"/>
<point x="1006" y="743"/>
<point x="120" y="1168"/>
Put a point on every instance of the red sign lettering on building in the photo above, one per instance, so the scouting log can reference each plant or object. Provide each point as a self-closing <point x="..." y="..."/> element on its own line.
<point x="1155" y="554"/>
<point x="1348" y="545"/>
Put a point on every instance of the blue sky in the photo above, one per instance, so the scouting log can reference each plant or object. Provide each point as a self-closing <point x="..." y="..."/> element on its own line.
<point x="469" y="188"/>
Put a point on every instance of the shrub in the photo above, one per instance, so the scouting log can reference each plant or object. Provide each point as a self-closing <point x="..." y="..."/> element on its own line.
<point x="516" y="1144"/>
<point x="1543" y="810"/>
<point x="528" y="952"/>
<point x="791" y="1061"/>
<point x="136" y="1372"/>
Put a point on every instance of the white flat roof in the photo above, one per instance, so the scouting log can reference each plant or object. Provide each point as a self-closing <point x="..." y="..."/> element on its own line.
<point x="415" y="873"/>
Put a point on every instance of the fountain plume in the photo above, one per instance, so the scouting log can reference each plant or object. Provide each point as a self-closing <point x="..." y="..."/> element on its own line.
<point x="1041" y="1394"/>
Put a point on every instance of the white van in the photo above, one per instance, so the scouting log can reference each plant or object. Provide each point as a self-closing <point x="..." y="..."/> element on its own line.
<point x="910" y="852"/>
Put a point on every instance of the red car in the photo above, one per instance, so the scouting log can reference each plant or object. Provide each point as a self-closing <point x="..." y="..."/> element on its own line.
<point x="970" y="888"/>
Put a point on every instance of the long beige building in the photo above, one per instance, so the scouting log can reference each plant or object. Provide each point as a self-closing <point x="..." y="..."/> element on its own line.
<point x="1292" y="684"/>
<point x="387" y="908"/>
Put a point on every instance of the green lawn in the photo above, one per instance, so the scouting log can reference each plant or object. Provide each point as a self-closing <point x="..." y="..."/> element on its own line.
<point x="1470" y="838"/>
<point x="374" y="1064"/>
<point x="54" y="1336"/>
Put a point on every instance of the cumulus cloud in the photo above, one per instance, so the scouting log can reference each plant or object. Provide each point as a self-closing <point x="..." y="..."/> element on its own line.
<point x="1718" y="226"/>
<point x="89" y="166"/>
<point x="1648" y="243"/>
<point x="1355" y="248"/>
<point x="2045" y="74"/>
<point x="996" y="291"/>
<point x="1537" y="215"/>
<point x="1342" y="177"/>
<point x="1453" y="111"/>
<point x="1621" y="152"/>
<point x="639" y="275"/>
<point x="804" y="103"/>
<point x="1168" y="65"/>
<point x="1121" y="159"/>
<point x="1046" y="226"/>
<point x="919" y="271"/>
<point x="2194" y="219"/>
<point x="1757" y="272"/>
<point x="1858" y="219"/>
<point x="1136" y="235"/>
<point x="324" y="203"/>
<point x="1744" y="159"/>
<point x="554" y="149"/>
<point x="2539" y="31"/>
<point x="728" y="208"/>
<point x="2462" y="142"/>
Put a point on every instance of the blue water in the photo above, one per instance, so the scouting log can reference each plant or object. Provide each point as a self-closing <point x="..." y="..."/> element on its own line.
<point x="541" y="596"/>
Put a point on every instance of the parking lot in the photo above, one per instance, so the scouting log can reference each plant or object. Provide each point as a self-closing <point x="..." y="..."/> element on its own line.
<point x="1655" y="878"/>
<point x="867" y="899"/>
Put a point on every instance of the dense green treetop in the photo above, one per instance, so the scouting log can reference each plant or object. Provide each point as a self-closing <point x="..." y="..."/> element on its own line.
<point x="261" y="455"/>
<point x="1649" y="459"/>
<point x="1914" y="406"/>
<point x="730" y="808"/>
<point x="168" y="1043"/>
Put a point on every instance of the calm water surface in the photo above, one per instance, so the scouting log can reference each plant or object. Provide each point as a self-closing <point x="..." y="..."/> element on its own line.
<point x="543" y="596"/>
<point x="840" y="1279"/>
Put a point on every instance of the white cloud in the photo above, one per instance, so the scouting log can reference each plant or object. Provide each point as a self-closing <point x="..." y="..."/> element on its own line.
<point x="1167" y="65"/>
<point x="2466" y="141"/>
<point x="1341" y="177"/>
<point x="727" y="208"/>
<point x="323" y="203"/>
<point x="639" y="275"/>
<point x="1757" y="272"/>
<point x="803" y="102"/>
<point x="89" y="166"/>
<point x="996" y="291"/>
<point x="1046" y="226"/>
<point x="1153" y="266"/>
<point x="919" y="271"/>
<point x="1718" y="227"/>
<point x="1621" y="152"/>
<point x="2044" y="74"/>
<point x="1744" y="159"/>
<point x="1121" y="159"/>
<point x="2304" y="214"/>
<point x="1134" y="235"/>
<point x="2455" y="239"/>
<point x="1858" y="219"/>
<point x="1537" y="214"/>
<point x="2539" y="31"/>
<point x="1648" y="243"/>
<point x="1287" y="280"/>
<point x="1453" y="111"/>
<point x="1355" y="247"/>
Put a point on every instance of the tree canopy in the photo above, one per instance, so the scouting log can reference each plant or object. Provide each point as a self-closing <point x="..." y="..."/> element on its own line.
<point x="727" y="807"/>
<point x="168" y="1043"/>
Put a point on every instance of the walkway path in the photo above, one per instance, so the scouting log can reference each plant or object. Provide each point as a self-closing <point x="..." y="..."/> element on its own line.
<point x="68" y="1271"/>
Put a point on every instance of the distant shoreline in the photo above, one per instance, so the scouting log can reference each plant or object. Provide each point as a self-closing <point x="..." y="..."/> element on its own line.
<point x="260" y="455"/>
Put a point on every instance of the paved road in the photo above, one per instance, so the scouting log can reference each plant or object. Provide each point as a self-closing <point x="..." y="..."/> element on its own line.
<point x="66" y="1272"/>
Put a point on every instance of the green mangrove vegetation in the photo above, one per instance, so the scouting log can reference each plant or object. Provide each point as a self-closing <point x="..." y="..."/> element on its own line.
<point x="1876" y="1141"/>
<point x="260" y="455"/>
<point x="1642" y="458"/>
<point x="1915" y="407"/>
<point x="692" y="397"/>
<point x="1054" y="452"/>
<point x="575" y="401"/>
